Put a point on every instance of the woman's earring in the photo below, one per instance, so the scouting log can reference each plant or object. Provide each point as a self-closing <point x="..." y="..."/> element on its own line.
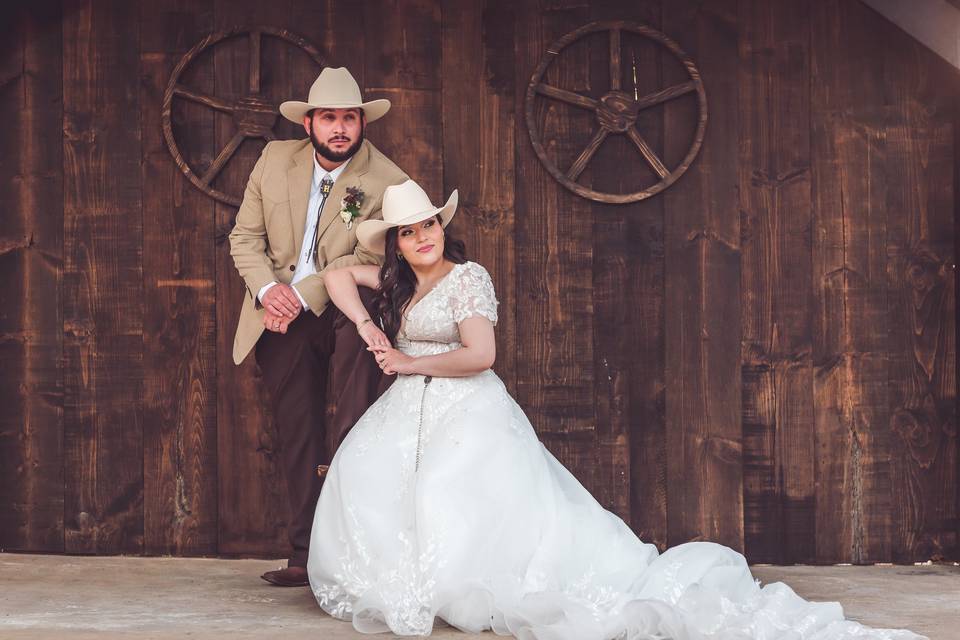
<point x="400" y="257"/>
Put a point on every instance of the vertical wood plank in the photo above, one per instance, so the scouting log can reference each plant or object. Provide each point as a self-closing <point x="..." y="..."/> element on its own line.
<point x="180" y="341"/>
<point x="405" y="68"/>
<point x="628" y="287"/>
<point x="776" y="287"/>
<point x="922" y="306"/>
<point x="702" y="281"/>
<point x="478" y="150"/>
<point x="102" y="282"/>
<point x="921" y="199"/>
<point x="851" y="350"/>
<point x="555" y="378"/>
<point x="850" y="366"/>
<point x="252" y="496"/>
<point x="31" y="261"/>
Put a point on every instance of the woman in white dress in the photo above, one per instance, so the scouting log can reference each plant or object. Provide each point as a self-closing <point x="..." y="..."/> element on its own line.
<point x="441" y="502"/>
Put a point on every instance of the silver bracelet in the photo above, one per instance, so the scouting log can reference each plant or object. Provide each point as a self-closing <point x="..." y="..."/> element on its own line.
<point x="363" y="322"/>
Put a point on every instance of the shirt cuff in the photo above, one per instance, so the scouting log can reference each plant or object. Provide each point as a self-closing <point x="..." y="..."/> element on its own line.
<point x="306" y="307"/>
<point x="263" y="290"/>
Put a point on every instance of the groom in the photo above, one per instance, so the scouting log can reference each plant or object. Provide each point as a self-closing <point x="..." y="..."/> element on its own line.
<point x="299" y="216"/>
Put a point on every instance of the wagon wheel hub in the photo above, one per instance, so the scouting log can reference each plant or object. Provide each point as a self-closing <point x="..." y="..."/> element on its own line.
<point x="617" y="111"/>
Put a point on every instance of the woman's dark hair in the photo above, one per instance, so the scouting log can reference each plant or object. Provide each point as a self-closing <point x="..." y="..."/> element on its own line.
<point x="398" y="282"/>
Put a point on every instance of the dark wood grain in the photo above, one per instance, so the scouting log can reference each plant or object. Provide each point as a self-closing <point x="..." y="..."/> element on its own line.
<point x="922" y="305"/>
<point x="252" y="496"/>
<point x="628" y="288"/>
<point x="405" y="68"/>
<point x="555" y="376"/>
<point x="776" y="294"/>
<point x="179" y="332"/>
<point x="921" y="198"/>
<point x="702" y="291"/>
<point x="850" y="383"/>
<point x="851" y="333"/>
<point x="554" y="261"/>
<point x="102" y="279"/>
<point x="31" y="261"/>
<point x="478" y="151"/>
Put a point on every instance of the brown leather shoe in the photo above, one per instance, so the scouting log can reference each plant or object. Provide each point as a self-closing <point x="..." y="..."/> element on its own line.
<point x="289" y="577"/>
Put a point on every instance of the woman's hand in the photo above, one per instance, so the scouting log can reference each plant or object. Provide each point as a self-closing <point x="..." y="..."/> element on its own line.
<point x="372" y="335"/>
<point x="392" y="361"/>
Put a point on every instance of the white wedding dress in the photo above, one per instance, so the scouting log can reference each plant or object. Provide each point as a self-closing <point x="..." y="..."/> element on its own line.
<point x="482" y="527"/>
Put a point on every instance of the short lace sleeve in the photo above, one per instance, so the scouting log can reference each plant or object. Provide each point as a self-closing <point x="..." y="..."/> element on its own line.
<point x="474" y="295"/>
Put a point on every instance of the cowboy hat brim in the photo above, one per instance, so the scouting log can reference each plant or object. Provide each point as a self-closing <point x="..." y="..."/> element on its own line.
<point x="372" y="234"/>
<point x="294" y="110"/>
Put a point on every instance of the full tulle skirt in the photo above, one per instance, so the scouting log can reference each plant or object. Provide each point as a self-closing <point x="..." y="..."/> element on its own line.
<point x="442" y="503"/>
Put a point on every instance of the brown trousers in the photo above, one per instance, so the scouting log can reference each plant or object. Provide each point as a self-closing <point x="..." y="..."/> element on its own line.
<point x="295" y="368"/>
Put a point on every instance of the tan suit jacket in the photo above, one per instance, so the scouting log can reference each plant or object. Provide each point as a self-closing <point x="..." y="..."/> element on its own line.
<point x="268" y="234"/>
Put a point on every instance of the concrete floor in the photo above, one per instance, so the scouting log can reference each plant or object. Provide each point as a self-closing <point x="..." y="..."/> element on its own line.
<point x="107" y="598"/>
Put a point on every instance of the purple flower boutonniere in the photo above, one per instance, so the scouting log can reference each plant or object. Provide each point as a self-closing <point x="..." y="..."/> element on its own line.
<point x="350" y="205"/>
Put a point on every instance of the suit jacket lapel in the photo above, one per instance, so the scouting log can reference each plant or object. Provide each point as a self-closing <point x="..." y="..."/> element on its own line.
<point x="299" y="181"/>
<point x="349" y="178"/>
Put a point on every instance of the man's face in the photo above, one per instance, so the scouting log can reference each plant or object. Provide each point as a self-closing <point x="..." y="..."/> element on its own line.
<point x="336" y="134"/>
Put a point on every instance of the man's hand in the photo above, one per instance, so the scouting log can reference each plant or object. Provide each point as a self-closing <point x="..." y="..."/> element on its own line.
<point x="275" y="323"/>
<point x="281" y="300"/>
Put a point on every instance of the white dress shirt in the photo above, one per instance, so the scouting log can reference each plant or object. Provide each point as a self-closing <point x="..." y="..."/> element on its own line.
<point x="305" y="266"/>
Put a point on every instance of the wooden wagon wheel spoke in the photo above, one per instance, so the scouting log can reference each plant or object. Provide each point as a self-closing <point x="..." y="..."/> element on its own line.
<point x="202" y="98"/>
<point x="581" y="162"/>
<point x="616" y="111"/>
<point x="615" y="59"/>
<point x="651" y="156"/>
<point x="567" y="96"/>
<point x="255" y="40"/>
<point x="664" y="95"/>
<point x="222" y="158"/>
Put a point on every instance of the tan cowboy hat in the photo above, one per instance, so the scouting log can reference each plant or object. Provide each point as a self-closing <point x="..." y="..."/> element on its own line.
<point x="403" y="204"/>
<point x="334" y="88"/>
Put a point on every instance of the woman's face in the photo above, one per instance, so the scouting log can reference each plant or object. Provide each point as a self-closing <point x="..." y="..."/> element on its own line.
<point x="421" y="244"/>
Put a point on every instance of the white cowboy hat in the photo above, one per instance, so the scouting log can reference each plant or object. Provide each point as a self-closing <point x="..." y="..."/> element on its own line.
<point x="403" y="204"/>
<point x="334" y="88"/>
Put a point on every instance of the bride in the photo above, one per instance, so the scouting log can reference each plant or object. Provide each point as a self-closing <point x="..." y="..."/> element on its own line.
<point x="442" y="503"/>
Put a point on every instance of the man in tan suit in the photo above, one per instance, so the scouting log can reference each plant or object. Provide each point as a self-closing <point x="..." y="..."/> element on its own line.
<point x="298" y="219"/>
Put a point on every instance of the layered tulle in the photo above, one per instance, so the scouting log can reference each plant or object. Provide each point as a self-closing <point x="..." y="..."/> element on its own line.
<point x="490" y="531"/>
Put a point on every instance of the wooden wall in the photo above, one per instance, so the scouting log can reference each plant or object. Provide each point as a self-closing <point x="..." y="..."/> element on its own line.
<point x="763" y="355"/>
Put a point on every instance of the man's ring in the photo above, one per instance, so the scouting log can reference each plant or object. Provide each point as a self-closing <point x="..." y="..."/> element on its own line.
<point x="276" y="325"/>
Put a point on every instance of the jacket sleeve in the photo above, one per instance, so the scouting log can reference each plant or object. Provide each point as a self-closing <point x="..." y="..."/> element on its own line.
<point x="248" y="238"/>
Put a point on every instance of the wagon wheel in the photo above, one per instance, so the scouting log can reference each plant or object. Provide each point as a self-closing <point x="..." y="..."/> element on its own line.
<point x="616" y="112"/>
<point x="252" y="115"/>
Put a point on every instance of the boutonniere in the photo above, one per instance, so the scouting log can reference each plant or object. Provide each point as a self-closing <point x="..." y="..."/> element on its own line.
<point x="350" y="205"/>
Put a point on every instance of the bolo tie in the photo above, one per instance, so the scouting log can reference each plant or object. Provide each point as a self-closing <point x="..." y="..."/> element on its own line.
<point x="326" y="186"/>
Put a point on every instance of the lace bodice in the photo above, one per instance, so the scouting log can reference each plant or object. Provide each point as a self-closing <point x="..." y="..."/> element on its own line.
<point x="431" y="325"/>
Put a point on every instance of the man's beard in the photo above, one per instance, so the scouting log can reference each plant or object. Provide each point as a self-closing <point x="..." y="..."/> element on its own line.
<point x="330" y="154"/>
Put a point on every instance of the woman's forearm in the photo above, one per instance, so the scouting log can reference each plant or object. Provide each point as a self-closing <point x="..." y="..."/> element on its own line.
<point x="465" y="361"/>
<point x="342" y="288"/>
